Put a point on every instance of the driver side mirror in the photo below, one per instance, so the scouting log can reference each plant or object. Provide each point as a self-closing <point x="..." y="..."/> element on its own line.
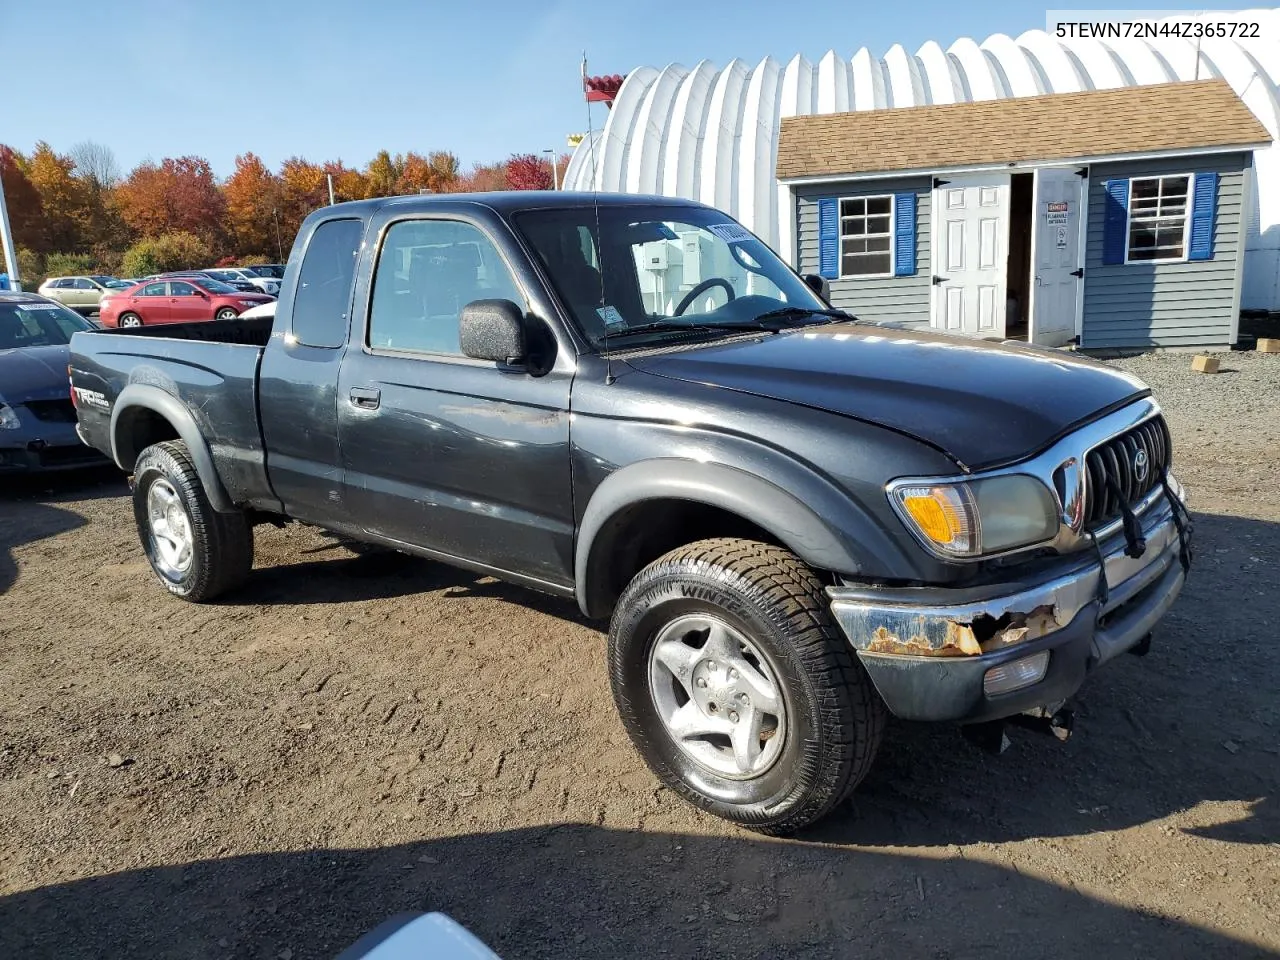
<point x="819" y="285"/>
<point x="492" y="330"/>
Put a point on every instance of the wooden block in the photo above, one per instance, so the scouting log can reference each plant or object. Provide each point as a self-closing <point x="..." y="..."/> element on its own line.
<point x="1203" y="364"/>
<point x="1268" y="345"/>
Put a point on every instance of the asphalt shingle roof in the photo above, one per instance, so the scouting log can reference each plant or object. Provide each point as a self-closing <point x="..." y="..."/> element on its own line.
<point x="1058" y="126"/>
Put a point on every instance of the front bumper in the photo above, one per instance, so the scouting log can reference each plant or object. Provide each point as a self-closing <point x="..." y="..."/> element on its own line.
<point x="928" y="650"/>
<point x="50" y="448"/>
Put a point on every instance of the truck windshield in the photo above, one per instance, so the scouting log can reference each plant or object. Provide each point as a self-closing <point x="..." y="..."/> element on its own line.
<point x="653" y="272"/>
<point x="37" y="324"/>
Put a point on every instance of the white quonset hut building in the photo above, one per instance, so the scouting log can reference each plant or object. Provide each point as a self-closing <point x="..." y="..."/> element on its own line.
<point x="712" y="134"/>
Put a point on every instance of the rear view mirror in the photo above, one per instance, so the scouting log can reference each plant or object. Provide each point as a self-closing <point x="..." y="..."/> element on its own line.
<point x="492" y="330"/>
<point x="819" y="285"/>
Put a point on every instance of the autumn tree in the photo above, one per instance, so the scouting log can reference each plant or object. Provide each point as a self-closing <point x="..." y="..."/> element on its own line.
<point x="302" y="189"/>
<point x="62" y="197"/>
<point x="348" y="184"/>
<point x="415" y="176"/>
<point x="101" y="226"/>
<point x="252" y="193"/>
<point x="179" y="195"/>
<point x="382" y="174"/>
<point x="26" y="216"/>
<point x="528" y="171"/>
<point x="482" y="178"/>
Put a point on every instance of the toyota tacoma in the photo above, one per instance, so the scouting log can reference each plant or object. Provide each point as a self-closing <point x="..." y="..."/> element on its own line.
<point x="796" y="523"/>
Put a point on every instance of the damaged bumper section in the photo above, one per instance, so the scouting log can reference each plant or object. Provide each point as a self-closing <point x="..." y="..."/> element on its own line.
<point x="989" y="652"/>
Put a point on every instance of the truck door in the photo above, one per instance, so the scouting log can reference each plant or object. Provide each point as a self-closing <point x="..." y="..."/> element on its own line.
<point x="463" y="458"/>
<point x="298" y="378"/>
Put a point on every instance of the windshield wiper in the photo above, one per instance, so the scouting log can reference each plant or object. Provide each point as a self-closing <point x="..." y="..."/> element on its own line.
<point x="799" y="313"/>
<point x="666" y="326"/>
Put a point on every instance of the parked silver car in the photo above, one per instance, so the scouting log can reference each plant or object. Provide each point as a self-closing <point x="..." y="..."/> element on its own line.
<point x="82" y="294"/>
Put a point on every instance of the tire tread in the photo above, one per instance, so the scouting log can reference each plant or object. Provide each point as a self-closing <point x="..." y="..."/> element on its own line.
<point x="224" y="539"/>
<point x="851" y="716"/>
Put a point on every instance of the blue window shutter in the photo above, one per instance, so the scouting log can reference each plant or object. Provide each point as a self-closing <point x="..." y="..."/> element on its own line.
<point x="1116" y="221"/>
<point x="829" y="238"/>
<point x="1203" y="205"/>
<point x="904" y="234"/>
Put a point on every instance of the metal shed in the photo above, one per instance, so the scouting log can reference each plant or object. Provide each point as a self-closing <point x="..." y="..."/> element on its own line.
<point x="1109" y="218"/>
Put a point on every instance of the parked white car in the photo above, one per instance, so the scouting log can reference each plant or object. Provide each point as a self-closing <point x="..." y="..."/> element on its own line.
<point x="267" y="310"/>
<point x="269" y="285"/>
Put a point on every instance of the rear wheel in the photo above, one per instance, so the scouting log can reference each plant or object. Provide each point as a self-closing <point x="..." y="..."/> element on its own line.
<point x="195" y="551"/>
<point x="226" y="313"/>
<point x="130" y="320"/>
<point x="737" y="687"/>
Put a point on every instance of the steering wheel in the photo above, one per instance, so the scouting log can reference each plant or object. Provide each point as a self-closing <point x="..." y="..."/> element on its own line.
<point x="702" y="288"/>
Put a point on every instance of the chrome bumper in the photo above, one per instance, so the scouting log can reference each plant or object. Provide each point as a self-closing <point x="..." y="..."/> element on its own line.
<point x="953" y="637"/>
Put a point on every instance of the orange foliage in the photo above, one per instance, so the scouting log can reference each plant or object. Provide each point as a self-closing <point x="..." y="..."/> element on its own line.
<point x="179" y="195"/>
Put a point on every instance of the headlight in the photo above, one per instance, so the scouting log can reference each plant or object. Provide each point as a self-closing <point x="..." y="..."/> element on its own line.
<point x="8" y="418"/>
<point x="974" y="518"/>
<point x="248" y="303"/>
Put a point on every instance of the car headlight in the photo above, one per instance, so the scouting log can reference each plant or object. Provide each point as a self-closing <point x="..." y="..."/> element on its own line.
<point x="974" y="518"/>
<point x="8" y="417"/>
<point x="248" y="303"/>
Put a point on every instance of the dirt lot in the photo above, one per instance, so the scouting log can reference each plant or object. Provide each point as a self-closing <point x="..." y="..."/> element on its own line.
<point x="349" y="737"/>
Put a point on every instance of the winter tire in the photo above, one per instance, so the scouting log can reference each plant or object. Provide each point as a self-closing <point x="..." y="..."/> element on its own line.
<point x="738" y="689"/>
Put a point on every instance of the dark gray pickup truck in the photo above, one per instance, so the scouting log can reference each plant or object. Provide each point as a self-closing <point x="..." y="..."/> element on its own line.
<point x="798" y="523"/>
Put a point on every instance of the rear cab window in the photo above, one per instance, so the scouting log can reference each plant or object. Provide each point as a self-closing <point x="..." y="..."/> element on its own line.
<point x="322" y="300"/>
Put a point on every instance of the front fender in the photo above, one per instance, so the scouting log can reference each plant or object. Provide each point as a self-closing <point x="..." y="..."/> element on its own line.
<point x="137" y="397"/>
<point x="819" y="523"/>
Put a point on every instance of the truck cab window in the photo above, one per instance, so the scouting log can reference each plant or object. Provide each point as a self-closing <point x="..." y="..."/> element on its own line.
<point x="428" y="270"/>
<point x="323" y="298"/>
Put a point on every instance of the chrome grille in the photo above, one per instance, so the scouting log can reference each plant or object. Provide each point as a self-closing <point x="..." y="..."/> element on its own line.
<point x="1121" y="459"/>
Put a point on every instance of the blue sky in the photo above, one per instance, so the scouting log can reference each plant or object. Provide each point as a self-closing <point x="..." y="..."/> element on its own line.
<point x="330" y="79"/>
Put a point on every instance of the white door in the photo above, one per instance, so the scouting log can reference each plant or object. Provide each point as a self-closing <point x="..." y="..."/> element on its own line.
<point x="970" y="254"/>
<point x="1057" y="258"/>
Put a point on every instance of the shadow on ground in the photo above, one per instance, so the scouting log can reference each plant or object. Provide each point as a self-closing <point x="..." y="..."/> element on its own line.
<point x="582" y="891"/>
<point x="29" y="511"/>
<point x="1155" y="736"/>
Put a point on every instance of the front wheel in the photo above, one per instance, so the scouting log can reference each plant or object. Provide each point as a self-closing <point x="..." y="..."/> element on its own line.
<point x="226" y="313"/>
<point x="195" y="551"/>
<point x="737" y="688"/>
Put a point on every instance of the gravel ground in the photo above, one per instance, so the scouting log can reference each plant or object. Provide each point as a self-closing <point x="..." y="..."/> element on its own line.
<point x="349" y="737"/>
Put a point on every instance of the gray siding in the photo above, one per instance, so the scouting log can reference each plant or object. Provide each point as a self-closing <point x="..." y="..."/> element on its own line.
<point x="1165" y="304"/>
<point x="898" y="299"/>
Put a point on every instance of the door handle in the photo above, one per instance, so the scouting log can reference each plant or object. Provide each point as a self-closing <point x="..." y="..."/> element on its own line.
<point x="937" y="280"/>
<point x="366" y="398"/>
<point x="1078" y="272"/>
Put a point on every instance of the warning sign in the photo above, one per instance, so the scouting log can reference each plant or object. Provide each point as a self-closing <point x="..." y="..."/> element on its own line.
<point x="1056" y="212"/>
<point x="1062" y="237"/>
<point x="1059" y="206"/>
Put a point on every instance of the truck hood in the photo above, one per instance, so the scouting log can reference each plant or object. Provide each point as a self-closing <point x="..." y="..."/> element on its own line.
<point x="983" y="403"/>
<point x="34" y="373"/>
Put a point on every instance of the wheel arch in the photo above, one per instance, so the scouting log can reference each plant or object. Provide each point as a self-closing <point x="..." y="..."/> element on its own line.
<point x="143" y="415"/>
<point x="827" y="532"/>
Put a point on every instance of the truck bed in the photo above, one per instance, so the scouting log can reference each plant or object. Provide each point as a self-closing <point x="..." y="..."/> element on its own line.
<point x="255" y="332"/>
<point x="209" y="368"/>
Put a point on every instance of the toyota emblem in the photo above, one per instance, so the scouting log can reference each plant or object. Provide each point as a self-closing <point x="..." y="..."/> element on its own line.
<point x="1140" y="466"/>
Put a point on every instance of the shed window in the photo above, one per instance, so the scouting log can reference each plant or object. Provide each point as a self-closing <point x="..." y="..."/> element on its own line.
<point x="1158" y="217"/>
<point x="866" y="236"/>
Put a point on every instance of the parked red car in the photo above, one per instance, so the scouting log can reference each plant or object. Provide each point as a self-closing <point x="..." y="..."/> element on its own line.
<point x="176" y="301"/>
